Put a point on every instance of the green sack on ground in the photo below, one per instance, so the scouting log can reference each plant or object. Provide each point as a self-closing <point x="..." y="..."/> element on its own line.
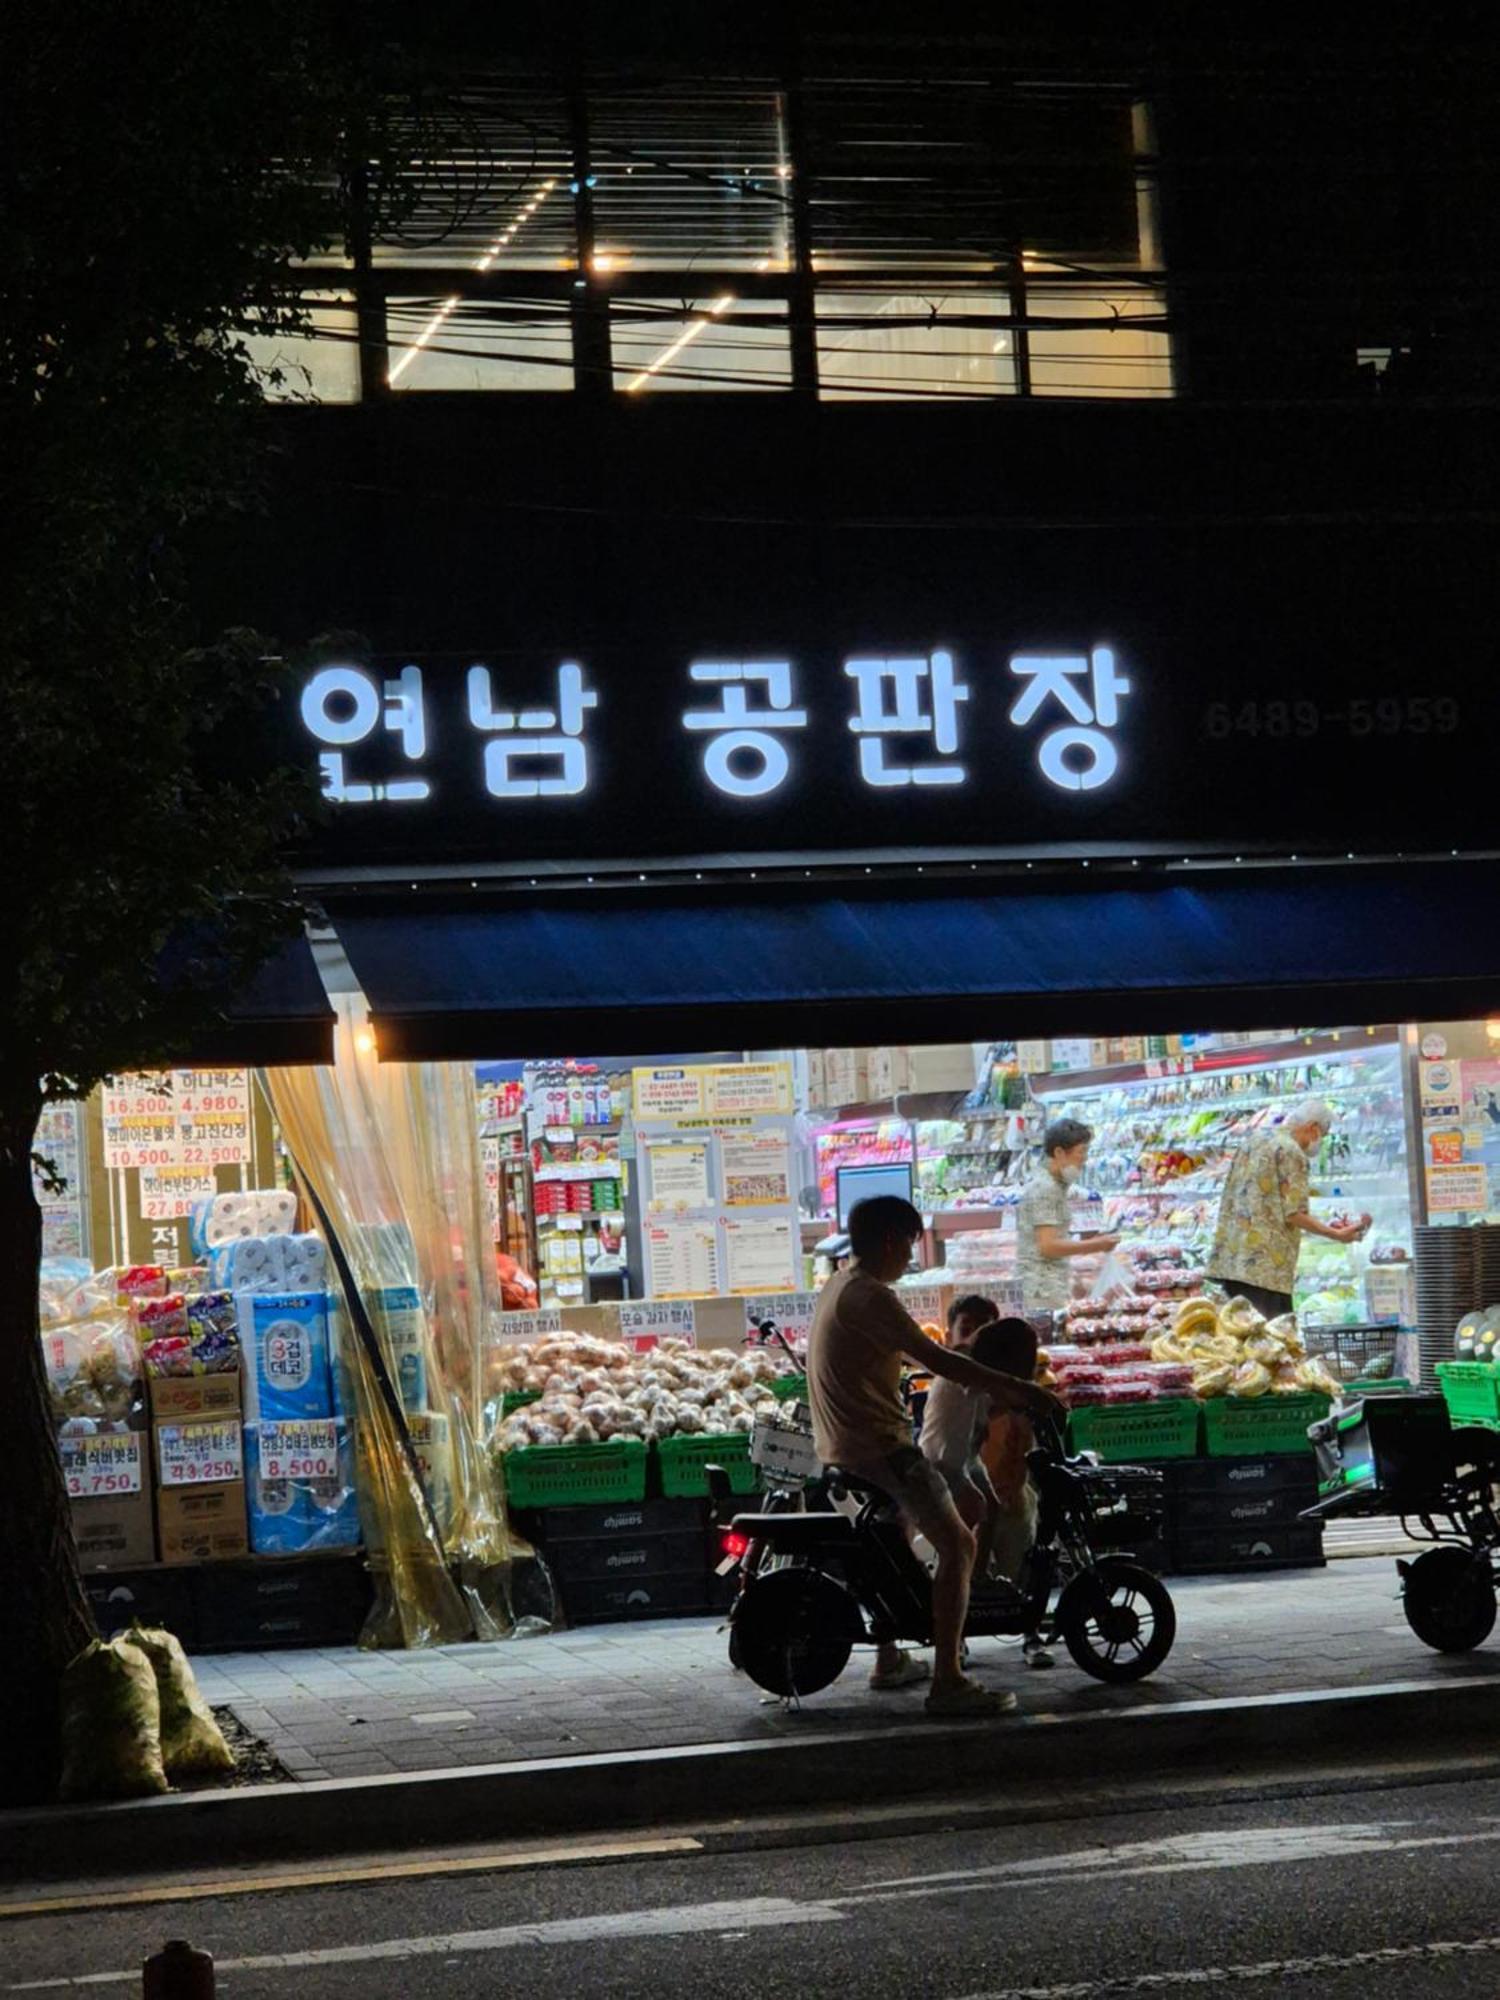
<point x="111" y="1724"/>
<point x="192" y="1744"/>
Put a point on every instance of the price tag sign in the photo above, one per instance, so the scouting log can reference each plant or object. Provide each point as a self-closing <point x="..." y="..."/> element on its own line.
<point x="923" y="1302"/>
<point x="199" y="1454"/>
<point x="306" y="1448"/>
<point x="644" y="1323"/>
<point x="93" y="1466"/>
<point x="792" y="1312"/>
<point x="523" y="1328"/>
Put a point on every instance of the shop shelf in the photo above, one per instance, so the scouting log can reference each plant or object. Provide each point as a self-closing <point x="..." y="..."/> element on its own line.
<point x="553" y="1475"/>
<point x="1471" y="1389"/>
<point x="1245" y="1426"/>
<point x="1132" y="1433"/>
<point x="684" y="1462"/>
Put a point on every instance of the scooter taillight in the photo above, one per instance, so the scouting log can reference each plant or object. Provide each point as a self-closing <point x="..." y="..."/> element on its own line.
<point x="733" y="1544"/>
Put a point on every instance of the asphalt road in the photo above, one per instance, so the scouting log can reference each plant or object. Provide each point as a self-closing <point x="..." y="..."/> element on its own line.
<point x="1379" y="1895"/>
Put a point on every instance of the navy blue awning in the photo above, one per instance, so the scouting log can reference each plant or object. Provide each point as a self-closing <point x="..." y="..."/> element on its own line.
<point x="280" y="1016"/>
<point x="743" y="969"/>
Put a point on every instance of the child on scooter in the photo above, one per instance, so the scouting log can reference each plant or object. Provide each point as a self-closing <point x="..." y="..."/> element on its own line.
<point x="981" y="1453"/>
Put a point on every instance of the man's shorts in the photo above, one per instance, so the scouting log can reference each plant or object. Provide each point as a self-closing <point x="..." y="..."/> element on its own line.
<point x="969" y="1481"/>
<point x="917" y="1487"/>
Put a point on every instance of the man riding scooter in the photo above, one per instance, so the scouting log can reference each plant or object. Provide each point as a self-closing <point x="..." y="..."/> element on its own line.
<point x="860" y="1335"/>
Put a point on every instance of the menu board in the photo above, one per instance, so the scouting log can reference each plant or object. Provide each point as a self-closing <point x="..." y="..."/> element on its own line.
<point x="761" y="1253"/>
<point x="682" y="1257"/>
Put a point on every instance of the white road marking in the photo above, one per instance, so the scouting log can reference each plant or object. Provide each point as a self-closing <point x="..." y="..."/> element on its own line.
<point x="1273" y="1845"/>
<point x="1118" y="1988"/>
<point x="681" y="1920"/>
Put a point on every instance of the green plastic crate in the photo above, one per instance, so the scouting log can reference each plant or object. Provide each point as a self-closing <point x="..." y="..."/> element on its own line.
<point x="790" y="1388"/>
<point x="517" y="1399"/>
<point x="1260" y="1426"/>
<point x="684" y="1462"/>
<point x="1135" y="1433"/>
<point x="1471" y="1389"/>
<point x="558" y="1475"/>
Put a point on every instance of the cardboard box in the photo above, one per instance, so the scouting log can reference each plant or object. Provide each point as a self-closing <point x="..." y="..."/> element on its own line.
<point x="202" y="1523"/>
<point x="116" y="1531"/>
<point x="817" y="1078"/>
<point x="848" y="1076"/>
<point x="174" y="1397"/>
<point x="889" y="1072"/>
<point x="942" y="1066"/>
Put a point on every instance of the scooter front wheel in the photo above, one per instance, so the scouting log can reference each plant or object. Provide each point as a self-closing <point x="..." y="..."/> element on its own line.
<point x="1448" y="1596"/>
<point x="1118" y="1621"/>
<point x="794" y="1630"/>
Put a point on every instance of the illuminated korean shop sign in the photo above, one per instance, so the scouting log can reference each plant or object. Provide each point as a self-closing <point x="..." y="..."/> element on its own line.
<point x="908" y="720"/>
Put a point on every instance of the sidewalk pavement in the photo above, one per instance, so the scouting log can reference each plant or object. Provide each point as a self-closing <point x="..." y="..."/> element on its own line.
<point x="343" y="1713"/>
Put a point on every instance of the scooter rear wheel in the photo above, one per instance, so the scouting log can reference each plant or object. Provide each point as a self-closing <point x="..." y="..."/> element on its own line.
<point x="794" y="1630"/>
<point x="1448" y="1596"/>
<point x="1118" y="1621"/>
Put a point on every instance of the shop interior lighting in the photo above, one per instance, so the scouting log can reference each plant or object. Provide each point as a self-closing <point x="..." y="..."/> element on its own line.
<point x="688" y="335"/>
<point x="450" y="305"/>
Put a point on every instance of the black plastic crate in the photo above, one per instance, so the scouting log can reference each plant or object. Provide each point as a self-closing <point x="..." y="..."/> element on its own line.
<point x="1212" y="1551"/>
<point x="639" y="1597"/>
<point x="155" y="1596"/>
<point x="628" y="1555"/>
<point x="268" y="1603"/>
<point x="1295" y="1472"/>
<point x="1279" y="1508"/>
<point x="618" y="1520"/>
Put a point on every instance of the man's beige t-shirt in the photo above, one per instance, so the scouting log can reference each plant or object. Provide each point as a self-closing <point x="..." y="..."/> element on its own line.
<point x="859" y="1332"/>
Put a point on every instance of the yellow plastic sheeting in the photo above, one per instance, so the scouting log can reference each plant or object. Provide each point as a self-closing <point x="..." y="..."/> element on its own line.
<point x="358" y="1140"/>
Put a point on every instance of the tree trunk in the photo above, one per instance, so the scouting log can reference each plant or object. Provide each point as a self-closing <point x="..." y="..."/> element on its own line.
<point x="47" y="1618"/>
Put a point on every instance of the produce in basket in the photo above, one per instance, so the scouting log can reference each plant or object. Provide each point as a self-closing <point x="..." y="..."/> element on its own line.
<point x="596" y="1390"/>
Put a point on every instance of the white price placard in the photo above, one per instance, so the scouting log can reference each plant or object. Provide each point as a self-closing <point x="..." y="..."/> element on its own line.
<point x="923" y="1302"/>
<point x="200" y="1454"/>
<point x="792" y="1312"/>
<point x="97" y="1466"/>
<point x="522" y="1328"/>
<point x="644" y="1322"/>
<point x="306" y="1448"/>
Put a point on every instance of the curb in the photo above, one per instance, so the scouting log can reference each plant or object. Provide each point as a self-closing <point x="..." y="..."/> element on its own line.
<point x="714" y="1782"/>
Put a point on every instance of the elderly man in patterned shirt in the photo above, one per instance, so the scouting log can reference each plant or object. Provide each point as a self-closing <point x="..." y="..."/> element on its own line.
<point x="1264" y="1214"/>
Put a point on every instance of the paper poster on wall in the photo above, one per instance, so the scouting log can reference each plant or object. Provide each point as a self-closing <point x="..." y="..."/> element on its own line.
<point x="668" y="1093"/>
<point x="756" y="1088"/>
<point x="761" y="1253"/>
<point x="678" y="1176"/>
<point x="1440" y="1093"/>
<point x="1453" y="1189"/>
<point x="756" y="1169"/>
<point x="60" y="1194"/>
<point x="682" y="1258"/>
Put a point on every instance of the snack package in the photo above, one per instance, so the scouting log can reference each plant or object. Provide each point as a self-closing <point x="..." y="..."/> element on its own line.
<point x="161" y="1318"/>
<point x="213" y="1329"/>
<point x="192" y="1744"/>
<point x="141" y="1281"/>
<point x="111" y="1724"/>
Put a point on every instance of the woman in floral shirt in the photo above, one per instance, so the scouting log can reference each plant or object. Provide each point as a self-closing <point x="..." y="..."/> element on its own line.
<point x="1263" y="1212"/>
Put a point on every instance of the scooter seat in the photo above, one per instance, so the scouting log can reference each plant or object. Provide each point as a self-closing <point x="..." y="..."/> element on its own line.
<point x="795" y="1530"/>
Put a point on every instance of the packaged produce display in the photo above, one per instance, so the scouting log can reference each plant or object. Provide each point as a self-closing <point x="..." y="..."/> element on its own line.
<point x="595" y="1390"/>
<point x="1163" y="1145"/>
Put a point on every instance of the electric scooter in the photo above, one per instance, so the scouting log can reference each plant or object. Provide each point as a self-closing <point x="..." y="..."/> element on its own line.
<point x="826" y="1582"/>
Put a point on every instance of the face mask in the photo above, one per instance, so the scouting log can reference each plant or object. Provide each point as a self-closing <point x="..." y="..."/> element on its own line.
<point x="1071" y="1176"/>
